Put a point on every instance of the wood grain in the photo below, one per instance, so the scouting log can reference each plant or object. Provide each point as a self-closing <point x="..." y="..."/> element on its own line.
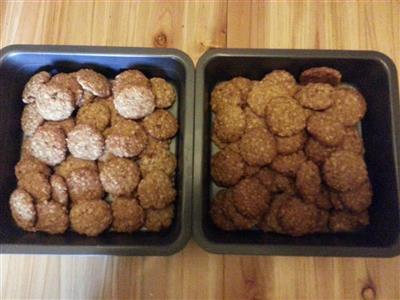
<point x="194" y="27"/>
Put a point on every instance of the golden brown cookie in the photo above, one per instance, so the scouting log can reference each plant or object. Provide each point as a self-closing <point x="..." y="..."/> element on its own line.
<point x="297" y="218"/>
<point x="320" y="75"/>
<point x="344" y="171"/>
<point x="230" y="123"/>
<point x="156" y="190"/>
<point x="69" y="81"/>
<point x="326" y="129"/>
<point x="250" y="198"/>
<point x="316" y="96"/>
<point x="164" y="92"/>
<point x="158" y="158"/>
<point x="161" y="124"/>
<point x="359" y="199"/>
<point x="288" y="164"/>
<point x="128" y="215"/>
<point x="285" y="117"/>
<point x="225" y="93"/>
<point x="281" y="78"/>
<point x="126" y="138"/>
<point x="217" y="214"/>
<point x="308" y="181"/>
<point x="258" y="147"/>
<point x="119" y="176"/>
<point x="37" y="185"/>
<point x="84" y="185"/>
<point x="349" y="107"/>
<point x="317" y="152"/>
<point x="52" y="218"/>
<point x="72" y="163"/>
<point x="135" y="102"/>
<point x="290" y="144"/>
<point x="95" y="114"/>
<point x="159" y="219"/>
<point x="90" y="217"/>
<point x="31" y="165"/>
<point x="226" y="167"/>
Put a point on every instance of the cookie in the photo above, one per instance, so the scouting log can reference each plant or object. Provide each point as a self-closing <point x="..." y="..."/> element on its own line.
<point x="164" y="92"/>
<point x="93" y="82"/>
<point x="161" y="124"/>
<point x="226" y="167"/>
<point x="134" y="102"/>
<point x="229" y="124"/>
<point x="316" y="96"/>
<point x="320" y="75"/>
<point x="285" y="117"/>
<point x="85" y="142"/>
<point x="326" y="129"/>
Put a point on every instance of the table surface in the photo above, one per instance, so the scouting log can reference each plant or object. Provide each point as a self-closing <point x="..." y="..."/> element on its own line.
<point x="194" y="27"/>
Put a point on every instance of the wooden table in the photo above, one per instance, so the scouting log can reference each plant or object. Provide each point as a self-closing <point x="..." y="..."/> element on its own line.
<point x="194" y="27"/>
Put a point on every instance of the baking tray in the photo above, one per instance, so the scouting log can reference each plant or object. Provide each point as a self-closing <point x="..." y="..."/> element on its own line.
<point x="17" y="64"/>
<point x="374" y="74"/>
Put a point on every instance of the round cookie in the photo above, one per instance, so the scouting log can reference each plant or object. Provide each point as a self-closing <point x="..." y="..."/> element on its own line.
<point x="84" y="185"/>
<point x="85" y="142"/>
<point x="288" y="164"/>
<point x="226" y="167"/>
<point x="157" y="159"/>
<point x="261" y="95"/>
<point x="316" y="96"/>
<point x="225" y="93"/>
<point x="93" y="82"/>
<point x="159" y="219"/>
<point x="90" y="217"/>
<point x="164" y="92"/>
<point x="284" y="116"/>
<point x="135" y="102"/>
<point x="344" y="171"/>
<point x="23" y="209"/>
<point x="250" y="198"/>
<point x="128" y="215"/>
<point x="95" y="114"/>
<point x="31" y="119"/>
<point x="359" y="199"/>
<point x="326" y="129"/>
<point x="48" y="145"/>
<point x="33" y="86"/>
<point x="161" y="124"/>
<point x="55" y="102"/>
<point x="119" y="176"/>
<point x="258" y="147"/>
<point x="52" y="218"/>
<point x="126" y="139"/>
<point x="229" y="124"/>
<point x="290" y="144"/>
<point x="349" y="107"/>
<point x="156" y="190"/>
<point x="240" y="222"/>
<point x="281" y="78"/>
<point x="320" y="75"/>
<point x="297" y="218"/>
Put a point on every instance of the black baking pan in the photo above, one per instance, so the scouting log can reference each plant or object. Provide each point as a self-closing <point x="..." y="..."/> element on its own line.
<point x="374" y="74"/>
<point x="17" y="64"/>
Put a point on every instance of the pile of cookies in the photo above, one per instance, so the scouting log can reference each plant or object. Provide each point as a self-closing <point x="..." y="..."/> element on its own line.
<point x="290" y="159"/>
<point x="96" y="154"/>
